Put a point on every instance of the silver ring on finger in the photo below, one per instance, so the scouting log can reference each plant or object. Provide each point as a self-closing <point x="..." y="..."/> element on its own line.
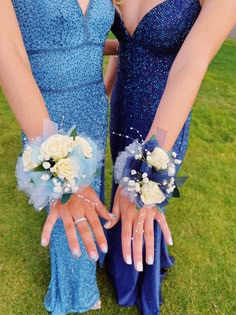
<point x="79" y="221"/>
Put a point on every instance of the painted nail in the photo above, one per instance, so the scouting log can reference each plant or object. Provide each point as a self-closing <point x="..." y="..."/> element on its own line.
<point x="113" y="216"/>
<point x="150" y="260"/>
<point x="43" y="242"/>
<point x="170" y="242"/>
<point x="139" y="266"/>
<point x="93" y="256"/>
<point x="76" y="252"/>
<point x="104" y="248"/>
<point x="128" y="260"/>
<point x="107" y="224"/>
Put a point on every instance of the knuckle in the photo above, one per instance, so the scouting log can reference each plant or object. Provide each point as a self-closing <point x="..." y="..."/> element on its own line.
<point x="68" y="226"/>
<point x="126" y="248"/>
<point x="102" y="210"/>
<point x="89" y="244"/>
<point x="95" y="224"/>
<point x="126" y="234"/>
<point x="138" y="255"/>
<point x="148" y="234"/>
<point x="149" y="246"/>
<point x="101" y="239"/>
<point x="83" y="230"/>
<point x="138" y="237"/>
<point x="46" y="231"/>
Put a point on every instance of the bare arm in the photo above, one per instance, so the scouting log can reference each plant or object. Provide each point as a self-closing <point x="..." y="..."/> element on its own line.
<point x="189" y="68"/>
<point x="110" y="75"/>
<point x="16" y="78"/>
<point x="183" y="84"/>
<point x="111" y="47"/>
<point x="29" y="109"/>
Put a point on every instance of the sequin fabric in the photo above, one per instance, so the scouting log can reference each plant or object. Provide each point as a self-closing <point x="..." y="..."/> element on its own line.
<point x="65" y="49"/>
<point x="145" y="61"/>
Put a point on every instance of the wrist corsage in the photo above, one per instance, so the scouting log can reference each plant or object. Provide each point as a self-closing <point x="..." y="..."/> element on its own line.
<point x="147" y="173"/>
<point x="56" y="166"/>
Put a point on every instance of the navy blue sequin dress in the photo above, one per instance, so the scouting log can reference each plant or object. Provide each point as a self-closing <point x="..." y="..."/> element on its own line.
<point x="145" y="61"/>
<point x="65" y="50"/>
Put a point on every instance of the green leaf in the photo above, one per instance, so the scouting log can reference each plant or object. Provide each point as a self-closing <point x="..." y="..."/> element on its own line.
<point x="73" y="133"/>
<point x="65" y="198"/>
<point x="39" y="168"/>
<point x="137" y="207"/>
<point x="176" y="193"/>
<point x="180" y="180"/>
<point x="153" y="138"/>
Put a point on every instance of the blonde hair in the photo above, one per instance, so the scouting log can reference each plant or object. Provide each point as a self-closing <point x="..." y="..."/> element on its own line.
<point x="117" y="2"/>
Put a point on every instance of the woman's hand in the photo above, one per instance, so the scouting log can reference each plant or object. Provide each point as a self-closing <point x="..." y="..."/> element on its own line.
<point x="76" y="208"/>
<point x="137" y="226"/>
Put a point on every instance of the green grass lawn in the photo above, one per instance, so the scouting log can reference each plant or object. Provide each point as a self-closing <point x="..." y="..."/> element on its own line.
<point x="203" y="221"/>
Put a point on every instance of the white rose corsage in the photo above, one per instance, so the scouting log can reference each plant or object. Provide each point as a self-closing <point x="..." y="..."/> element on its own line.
<point x="56" y="166"/>
<point x="148" y="173"/>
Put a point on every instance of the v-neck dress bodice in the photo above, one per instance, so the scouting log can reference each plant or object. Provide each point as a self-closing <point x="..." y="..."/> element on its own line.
<point x="65" y="50"/>
<point x="64" y="46"/>
<point x="145" y="61"/>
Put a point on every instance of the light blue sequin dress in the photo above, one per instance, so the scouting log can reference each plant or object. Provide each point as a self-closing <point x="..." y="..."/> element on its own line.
<point x="65" y="50"/>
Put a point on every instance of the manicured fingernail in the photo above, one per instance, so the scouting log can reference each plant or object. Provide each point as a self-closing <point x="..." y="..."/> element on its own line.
<point x="170" y="242"/>
<point x="113" y="216"/>
<point x="104" y="248"/>
<point x="76" y="252"/>
<point x="107" y="224"/>
<point x="43" y="242"/>
<point x="139" y="266"/>
<point x="150" y="260"/>
<point x="128" y="260"/>
<point x="93" y="256"/>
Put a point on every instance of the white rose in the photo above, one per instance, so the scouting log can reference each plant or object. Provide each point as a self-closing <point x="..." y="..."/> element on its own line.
<point x="27" y="159"/>
<point x="86" y="147"/>
<point x="151" y="193"/>
<point x="159" y="159"/>
<point x="65" y="169"/>
<point x="56" y="147"/>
